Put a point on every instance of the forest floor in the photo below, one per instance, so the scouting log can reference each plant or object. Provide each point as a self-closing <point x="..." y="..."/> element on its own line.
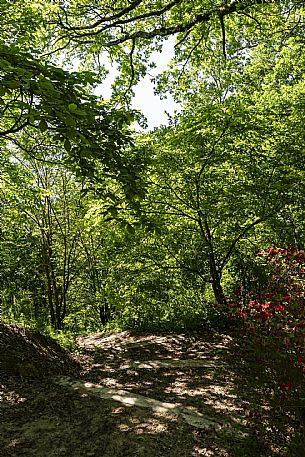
<point x="143" y="395"/>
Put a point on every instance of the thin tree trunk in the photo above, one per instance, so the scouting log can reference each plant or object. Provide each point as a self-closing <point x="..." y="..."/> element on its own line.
<point x="215" y="272"/>
<point x="216" y="282"/>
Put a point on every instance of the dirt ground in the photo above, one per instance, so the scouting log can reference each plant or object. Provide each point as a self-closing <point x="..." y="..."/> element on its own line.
<point x="213" y="375"/>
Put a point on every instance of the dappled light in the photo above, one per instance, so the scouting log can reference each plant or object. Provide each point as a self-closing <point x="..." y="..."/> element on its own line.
<point x="152" y="280"/>
<point x="148" y="406"/>
<point x="10" y="397"/>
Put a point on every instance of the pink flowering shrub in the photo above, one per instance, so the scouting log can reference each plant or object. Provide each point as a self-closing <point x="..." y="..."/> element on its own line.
<point x="279" y="311"/>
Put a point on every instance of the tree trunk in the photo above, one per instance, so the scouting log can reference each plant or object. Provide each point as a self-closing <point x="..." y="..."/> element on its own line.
<point x="215" y="273"/>
<point x="216" y="281"/>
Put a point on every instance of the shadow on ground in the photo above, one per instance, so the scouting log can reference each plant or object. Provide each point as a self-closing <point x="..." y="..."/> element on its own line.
<point x="43" y="419"/>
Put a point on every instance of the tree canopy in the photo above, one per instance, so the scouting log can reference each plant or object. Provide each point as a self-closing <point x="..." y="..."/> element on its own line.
<point x="40" y="98"/>
<point x="115" y="223"/>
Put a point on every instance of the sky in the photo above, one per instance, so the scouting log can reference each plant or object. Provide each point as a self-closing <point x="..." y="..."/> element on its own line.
<point x="145" y="100"/>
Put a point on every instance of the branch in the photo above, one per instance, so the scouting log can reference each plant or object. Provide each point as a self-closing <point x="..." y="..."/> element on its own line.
<point x="114" y="21"/>
<point x="30" y="153"/>
<point x="180" y="265"/>
<point x="162" y="31"/>
<point x="223" y="32"/>
<point x="14" y="129"/>
<point x="238" y="238"/>
<point x="132" y="68"/>
<point x="191" y="51"/>
<point x="124" y="11"/>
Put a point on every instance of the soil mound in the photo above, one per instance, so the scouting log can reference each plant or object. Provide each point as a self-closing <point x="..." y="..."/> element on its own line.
<point x="31" y="355"/>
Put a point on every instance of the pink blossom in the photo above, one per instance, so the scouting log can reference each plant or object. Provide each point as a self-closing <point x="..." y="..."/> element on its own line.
<point x="269" y="295"/>
<point x="265" y="306"/>
<point x="301" y="360"/>
<point x="264" y="315"/>
<point x="279" y="308"/>
<point x="285" y="386"/>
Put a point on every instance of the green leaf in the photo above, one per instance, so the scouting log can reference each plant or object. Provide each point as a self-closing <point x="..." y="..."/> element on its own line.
<point x="67" y="145"/>
<point x="72" y="107"/>
<point x="46" y="85"/>
<point x="130" y="229"/>
<point x="70" y="121"/>
<point x="113" y="211"/>
<point x="12" y="84"/>
<point x="43" y="126"/>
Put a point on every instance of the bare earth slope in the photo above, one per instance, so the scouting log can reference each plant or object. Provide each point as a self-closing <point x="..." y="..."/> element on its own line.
<point x="30" y="355"/>
<point x="168" y="395"/>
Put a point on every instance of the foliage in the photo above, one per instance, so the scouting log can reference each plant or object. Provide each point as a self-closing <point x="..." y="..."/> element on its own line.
<point x="276" y="313"/>
<point x="130" y="31"/>
<point x="39" y="96"/>
<point x="102" y="226"/>
<point x="39" y="99"/>
<point x="105" y="228"/>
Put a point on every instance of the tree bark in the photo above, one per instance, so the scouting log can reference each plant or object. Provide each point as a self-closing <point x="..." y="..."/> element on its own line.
<point x="216" y="281"/>
<point x="215" y="272"/>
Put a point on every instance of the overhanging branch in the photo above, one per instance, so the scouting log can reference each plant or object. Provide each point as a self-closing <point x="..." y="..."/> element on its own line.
<point x="137" y="24"/>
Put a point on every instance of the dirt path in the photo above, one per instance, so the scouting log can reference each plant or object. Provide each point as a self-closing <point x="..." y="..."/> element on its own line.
<point x="149" y="396"/>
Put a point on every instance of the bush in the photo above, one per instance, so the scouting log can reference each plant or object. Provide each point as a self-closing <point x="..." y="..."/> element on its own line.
<point x="277" y="314"/>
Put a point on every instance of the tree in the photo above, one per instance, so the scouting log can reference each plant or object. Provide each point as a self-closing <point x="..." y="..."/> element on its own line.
<point x="46" y="199"/>
<point x="38" y="96"/>
<point x="83" y="22"/>
<point x="230" y="164"/>
<point x="225" y="176"/>
<point x="130" y="31"/>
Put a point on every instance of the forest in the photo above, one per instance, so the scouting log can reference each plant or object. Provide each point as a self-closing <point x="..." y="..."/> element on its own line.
<point x="102" y="222"/>
<point x="196" y="225"/>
